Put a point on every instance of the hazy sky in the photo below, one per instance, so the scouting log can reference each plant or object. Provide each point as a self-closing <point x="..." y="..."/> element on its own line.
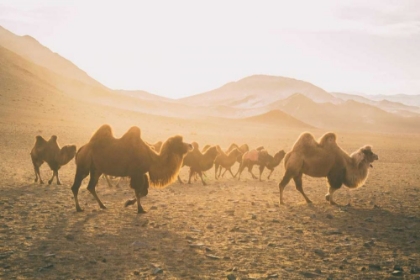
<point x="180" y="48"/>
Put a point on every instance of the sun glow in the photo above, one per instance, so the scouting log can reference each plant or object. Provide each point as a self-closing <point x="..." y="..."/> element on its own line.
<point x="182" y="48"/>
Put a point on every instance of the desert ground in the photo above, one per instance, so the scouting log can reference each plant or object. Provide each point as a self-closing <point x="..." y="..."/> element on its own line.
<point x="228" y="229"/>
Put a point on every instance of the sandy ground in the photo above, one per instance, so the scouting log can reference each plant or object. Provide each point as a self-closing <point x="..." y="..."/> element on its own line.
<point x="224" y="230"/>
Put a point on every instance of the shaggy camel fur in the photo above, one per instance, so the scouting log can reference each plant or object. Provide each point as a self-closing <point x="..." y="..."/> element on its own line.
<point x="262" y="159"/>
<point x="326" y="159"/>
<point x="128" y="156"/>
<point x="50" y="152"/>
<point x="156" y="146"/>
<point x="199" y="162"/>
<point x="225" y="161"/>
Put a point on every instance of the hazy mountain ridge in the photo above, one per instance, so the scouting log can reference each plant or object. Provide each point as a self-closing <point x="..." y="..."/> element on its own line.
<point x="258" y="98"/>
<point x="279" y="118"/>
<point x="259" y="90"/>
<point x="411" y="100"/>
<point x="29" y="48"/>
<point x="385" y="104"/>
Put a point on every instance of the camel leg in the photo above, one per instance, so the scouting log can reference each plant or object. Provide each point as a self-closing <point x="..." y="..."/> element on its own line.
<point x="261" y="170"/>
<point x="335" y="183"/>
<point x="190" y="176"/>
<point x="57" y="177"/>
<point x="180" y="180"/>
<point x="237" y="172"/>
<point x="119" y="181"/>
<point x="231" y="172"/>
<point x="283" y="183"/>
<point x="271" y="171"/>
<point x="223" y="172"/>
<point x="140" y="184"/>
<point x="250" y="171"/>
<point x="201" y="176"/>
<point x="78" y="178"/>
<point x="216" y="168"/>
<point x="220" y="171"/>
<point x="299" y="187"/>
<point x="37" y="165"/>
<point x="108" y="181"/>
<point x="240" y="169"/>
<point x="52" y="178"/>
<point x="94" y="177"/>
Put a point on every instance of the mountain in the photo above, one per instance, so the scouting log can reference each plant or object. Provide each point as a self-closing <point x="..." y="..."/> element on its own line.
<point x="350" y="115"/>
<point x="279" y="118"/>
<point x="258" y="91"/>
<point x="142" y="95"/>
<point x="30" y="49"/>
<point x="411" y="100"/>
<point x="384" y="104"/>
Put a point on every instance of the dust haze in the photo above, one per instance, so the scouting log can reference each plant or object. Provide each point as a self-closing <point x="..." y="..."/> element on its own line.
<point x="227" y="228"/>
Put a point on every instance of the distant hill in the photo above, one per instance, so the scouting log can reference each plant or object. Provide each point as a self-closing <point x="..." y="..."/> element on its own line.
<point x="142" y="95"/>
<point x="385" y="104"/>
<point x="350" y="115"/>
<point x="277" y="117"/>
<point x="411" y="100"/>
<point x="30" y="49"/>
<point x="258" y="91"/>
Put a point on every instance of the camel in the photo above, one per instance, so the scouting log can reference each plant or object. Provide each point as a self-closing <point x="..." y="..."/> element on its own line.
<point x="261" y="158"/>
<point x="225" y="160"/>
<point x="205" y="148"/>
<point x="326" y="159"/>
<point x="243" y="148"/>
<point x="128" y="156"/>
<point x="199" y="162"/>
<point x="156" y="146"/>
<point x="50" y="152"/>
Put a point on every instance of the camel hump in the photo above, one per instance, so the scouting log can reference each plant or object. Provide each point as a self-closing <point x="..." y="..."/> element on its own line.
<point x="235" y="151"/>
<point x="260" y="148"/>
<point x="244" y="148"/>
<point x="327" y="139"/>
<point x="39" y="140"/>
<point x="251" y="155"/>
<point x="132" y="136"/>
<point x="195" y="145"/>
<point x="305" y="140"/>
<point x="104" y="132"/>
<point x="53" y="138"/>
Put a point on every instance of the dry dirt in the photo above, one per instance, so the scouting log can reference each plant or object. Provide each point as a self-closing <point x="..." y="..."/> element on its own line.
<point x="228" y="228"/>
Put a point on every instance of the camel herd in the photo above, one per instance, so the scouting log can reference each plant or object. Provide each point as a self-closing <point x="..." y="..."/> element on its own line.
<point x="159" y="164"/>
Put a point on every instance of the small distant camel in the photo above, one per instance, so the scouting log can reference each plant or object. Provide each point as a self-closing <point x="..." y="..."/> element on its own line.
<point x="156" y="146"/>
<point x="205" y="148"/>
<point x="50" y="152"/>
<point x="225" y="161"/>
<point x="199" y="162"/>
<point x="326" y="159"/>
<point x="243" y="148"/>
<point x="262" y="159"/>
<point x="128" y="156"/>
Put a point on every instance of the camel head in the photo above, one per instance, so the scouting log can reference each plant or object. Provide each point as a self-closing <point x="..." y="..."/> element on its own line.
<point x="175" y="145"/>
<point x="365" y="156"/>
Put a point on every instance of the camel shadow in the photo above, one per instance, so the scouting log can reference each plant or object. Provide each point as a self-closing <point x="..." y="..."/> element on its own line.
<point x="50" y="240"/>
<point x="394" y="228"/>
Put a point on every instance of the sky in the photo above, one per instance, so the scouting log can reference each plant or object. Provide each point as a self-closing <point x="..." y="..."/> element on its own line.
<point x="180" y="48"/>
